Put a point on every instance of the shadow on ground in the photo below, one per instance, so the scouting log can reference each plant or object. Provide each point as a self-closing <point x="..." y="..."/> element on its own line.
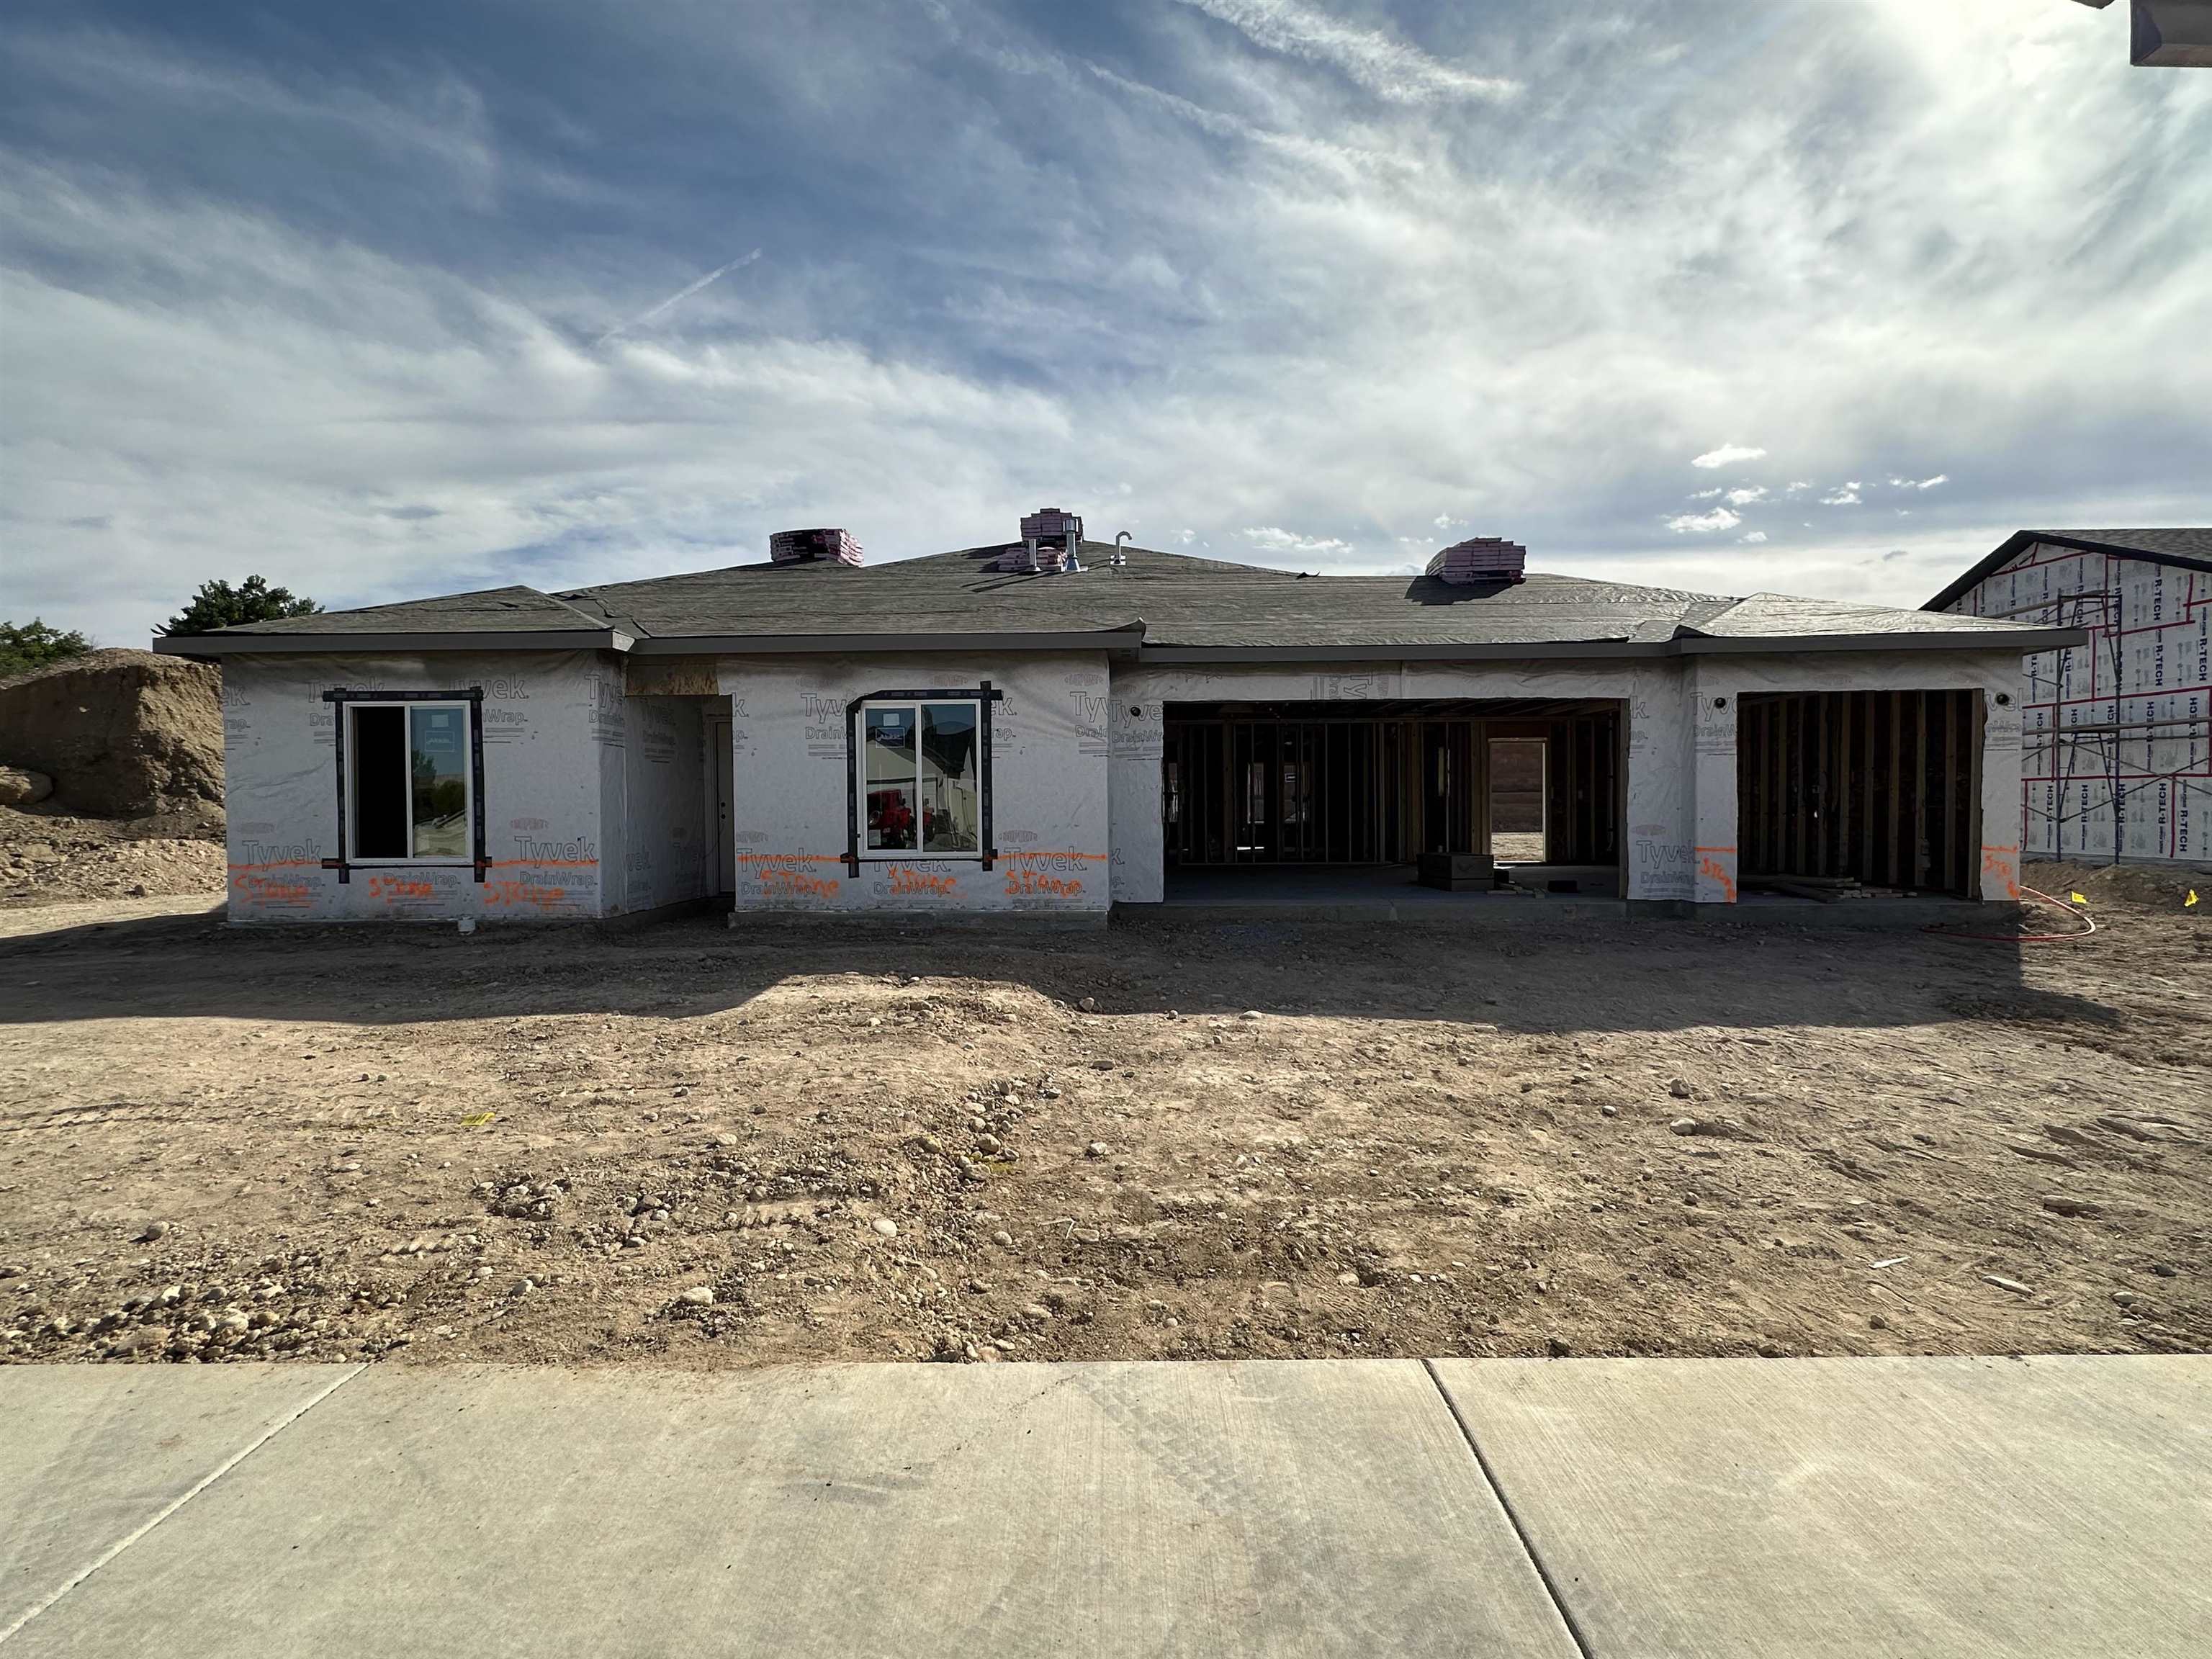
<point x="1555" y="978"/>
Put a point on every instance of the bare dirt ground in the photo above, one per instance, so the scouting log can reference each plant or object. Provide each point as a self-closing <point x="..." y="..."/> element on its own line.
<point x="49" y="857"/>
<point x="701" y="1147"/>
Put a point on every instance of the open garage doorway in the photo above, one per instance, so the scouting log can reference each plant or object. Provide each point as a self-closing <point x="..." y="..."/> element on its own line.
<point x="1458" y="795"/>
<point x="1846" y="794"/>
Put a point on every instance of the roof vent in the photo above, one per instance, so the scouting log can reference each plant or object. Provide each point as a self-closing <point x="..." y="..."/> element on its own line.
<point x="807" y="546"/>
<point x="1052" y="542"/>
<point x="1483" y="559"/>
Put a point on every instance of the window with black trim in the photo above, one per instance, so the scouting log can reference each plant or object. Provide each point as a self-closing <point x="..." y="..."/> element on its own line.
<point x="410" y="789"/>
<point x="920" y="778"/>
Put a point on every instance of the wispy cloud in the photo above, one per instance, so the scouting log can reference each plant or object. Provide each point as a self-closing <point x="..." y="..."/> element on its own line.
<point x="1747" y="495"/>
<point x="1920" y="484"/>
<point x="1704" y="524"/>
<point x="1727" y="455"/>
<point x="1383" y="64"/>
<point x="1270" y="538"/>
<point x="1842" y="495"/>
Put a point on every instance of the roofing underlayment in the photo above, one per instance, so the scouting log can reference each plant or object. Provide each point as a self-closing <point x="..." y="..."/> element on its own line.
<point x="1167" y="604"/>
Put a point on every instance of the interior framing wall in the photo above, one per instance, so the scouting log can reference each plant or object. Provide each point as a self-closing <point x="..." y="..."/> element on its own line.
<point x="2117" y="762"/>
<point x="1654" y="804"/>
<point x="1721" y="681"/>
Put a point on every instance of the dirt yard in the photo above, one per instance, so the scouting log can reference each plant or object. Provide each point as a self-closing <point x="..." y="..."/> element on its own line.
<point x="699" y="1147"/>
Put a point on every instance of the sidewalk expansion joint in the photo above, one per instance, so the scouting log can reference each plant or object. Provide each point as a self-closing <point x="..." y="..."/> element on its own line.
<point x="275" y="1427"/>
<point x="1497" y="1491"/>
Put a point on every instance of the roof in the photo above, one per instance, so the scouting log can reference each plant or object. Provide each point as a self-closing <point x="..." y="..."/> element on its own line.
<point x="2189" y="550"/>
<point x="1164" y="606"/>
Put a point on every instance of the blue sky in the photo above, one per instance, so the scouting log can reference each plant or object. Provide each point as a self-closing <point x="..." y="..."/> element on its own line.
<point x="382" y="301"/>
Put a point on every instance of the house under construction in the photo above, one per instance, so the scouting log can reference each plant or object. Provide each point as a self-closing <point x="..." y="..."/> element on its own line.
<point x="1053" y="725"/>
<point x="2117" y="731"/>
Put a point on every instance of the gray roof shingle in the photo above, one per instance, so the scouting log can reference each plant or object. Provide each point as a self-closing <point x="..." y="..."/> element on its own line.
<point x="1169" y="603"/>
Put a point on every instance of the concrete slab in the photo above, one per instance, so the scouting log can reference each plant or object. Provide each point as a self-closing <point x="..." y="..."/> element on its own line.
<point x="1860" y="1507"/>
<point x="92" y="1453"/>
<point x="1276" y="1508"/>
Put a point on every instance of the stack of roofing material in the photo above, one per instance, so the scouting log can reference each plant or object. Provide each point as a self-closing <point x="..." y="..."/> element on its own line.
<point x="1052" y="523"/>
<point x="799" y="546"/>
<point x="1482" y="559"/>
<point x="1050" y="540"/>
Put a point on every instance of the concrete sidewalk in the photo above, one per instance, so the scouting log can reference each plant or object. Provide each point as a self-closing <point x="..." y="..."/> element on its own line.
<point x="2055" y="1506"/>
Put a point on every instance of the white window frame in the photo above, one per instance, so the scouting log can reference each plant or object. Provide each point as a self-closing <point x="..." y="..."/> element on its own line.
<point x="917" y="852"/>
<point x="407" y="779"/>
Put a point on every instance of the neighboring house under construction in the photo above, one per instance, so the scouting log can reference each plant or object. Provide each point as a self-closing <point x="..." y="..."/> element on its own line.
<point x="2116" y="764"/>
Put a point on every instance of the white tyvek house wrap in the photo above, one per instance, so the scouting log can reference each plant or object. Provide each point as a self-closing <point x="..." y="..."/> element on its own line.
<point x="2147" y="669"/>
<point x="552" y="724"/>
<point x="790" y="803"/>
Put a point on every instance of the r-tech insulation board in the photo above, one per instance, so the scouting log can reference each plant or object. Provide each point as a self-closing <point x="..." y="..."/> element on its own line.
<point x="2116" y="757"/>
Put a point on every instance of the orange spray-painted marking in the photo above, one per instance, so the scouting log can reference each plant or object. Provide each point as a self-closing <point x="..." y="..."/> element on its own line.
<point x="1719" y="870"/>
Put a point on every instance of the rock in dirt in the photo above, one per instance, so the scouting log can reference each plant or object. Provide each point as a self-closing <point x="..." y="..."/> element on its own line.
<point x="20" y="786"/>
<point x="152" y="1231"/>
<point x="2004" y="1284"/>
<point x="1003" y="1239"/>
<point x="1718" y="1128"/>
<point x="886" y="1226"/>
<point x="1096" y="1149"/>
<point x="699" y="1296"/>
<point x="1679" y="1089"/>
<point x="1557" y="1346"/>
<point x="2061" y="1204"/>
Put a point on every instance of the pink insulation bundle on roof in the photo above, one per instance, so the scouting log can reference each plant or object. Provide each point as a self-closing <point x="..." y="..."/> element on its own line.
<point x="798" y="546"/>
<point x="1482" y="559"/>
<point x="1052" y="522"/>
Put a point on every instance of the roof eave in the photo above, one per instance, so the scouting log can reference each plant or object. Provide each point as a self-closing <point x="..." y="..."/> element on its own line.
<point x="2022" y="640"/>
<point x="222" y="643"/>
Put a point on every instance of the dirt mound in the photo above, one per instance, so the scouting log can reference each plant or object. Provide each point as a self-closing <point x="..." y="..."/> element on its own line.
<point x="2150" y="885"/>
<point x="122" y="733"/>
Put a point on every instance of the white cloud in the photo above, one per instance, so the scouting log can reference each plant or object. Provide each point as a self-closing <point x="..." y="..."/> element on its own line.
<point x="1920" y="484"/>
<point x="1269" y="538"/>
<point x="1798" y="487"/>
<point x="1704" y="524"/>
<point x="1389" y="68"/>
<point x="1755" y="537"/>
<point x="1842" y="495"/>
<point x="1712" y="495"/>
<point x="1747" y="495"/>
<point x="1727" y="455"/>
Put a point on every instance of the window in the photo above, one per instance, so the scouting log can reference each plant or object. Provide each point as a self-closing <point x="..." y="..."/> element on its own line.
<point x="919" y="778"/>
<point x="408" y="783"/>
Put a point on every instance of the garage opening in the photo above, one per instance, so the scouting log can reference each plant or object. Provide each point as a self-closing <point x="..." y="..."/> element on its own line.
<point x="1841" y="793"/>
<point x="1521" y="795"/>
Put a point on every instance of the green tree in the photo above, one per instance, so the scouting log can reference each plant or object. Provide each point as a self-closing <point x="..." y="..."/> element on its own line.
<point x="26" y="646"/>
<point x="218" y="604"/>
